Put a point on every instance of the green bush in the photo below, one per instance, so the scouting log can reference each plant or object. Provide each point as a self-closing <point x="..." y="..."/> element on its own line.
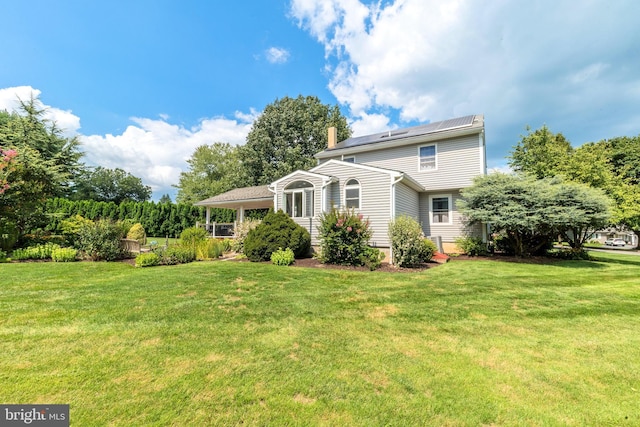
<point x="241" y="231"/>
<point x="344" y="237"/>
<point x="176" y="254"/>
<point x="569" y="254"/>
<point x="35" y="252"/>
<point x="192" y="237"/>
<point x="429" y="249"/>
<point x="372" y="258"/>
<point x="3" y="256"/>
<point x="8" y="234"/>
<point x="64" y="255"/>
<point x="71" y="227"/>
<point x="276" y="231"/>
<point x="408" y="244"/>
<point x="209" y="249"/>
<point x="283" y="257"/>
<point x="147" y="259"/>
<point x="136" y="232"/>
<point x="472" y="246"/>
<point x="100" y="241"/>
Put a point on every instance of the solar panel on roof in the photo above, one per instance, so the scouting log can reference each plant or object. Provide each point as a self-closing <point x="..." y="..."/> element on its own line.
<point x="444" y="125"/>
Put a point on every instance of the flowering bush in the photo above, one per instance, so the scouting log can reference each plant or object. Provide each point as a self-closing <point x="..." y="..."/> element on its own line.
<point x="6" y="158"/>
<point x="344" y="237"/>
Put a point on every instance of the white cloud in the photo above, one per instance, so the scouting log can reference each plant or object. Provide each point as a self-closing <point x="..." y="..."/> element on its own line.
<point x="156" y="151"/>
<point x="66" y="121"/>
<point x="516" y="63"/>
<point x="277" y="55"/>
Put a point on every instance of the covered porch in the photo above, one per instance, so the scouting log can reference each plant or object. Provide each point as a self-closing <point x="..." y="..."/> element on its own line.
<point x="240" y="200"/>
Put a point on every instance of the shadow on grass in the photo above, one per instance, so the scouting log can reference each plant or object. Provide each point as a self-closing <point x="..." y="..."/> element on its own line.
<point x="608" y="260"/>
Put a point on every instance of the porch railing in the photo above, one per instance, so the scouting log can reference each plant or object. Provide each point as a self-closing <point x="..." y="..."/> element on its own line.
<point x="220" y="229"/>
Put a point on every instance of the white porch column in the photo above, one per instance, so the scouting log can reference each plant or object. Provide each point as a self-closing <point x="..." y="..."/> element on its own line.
<point x="208" y="217"/>
<point x="240" y="216"/>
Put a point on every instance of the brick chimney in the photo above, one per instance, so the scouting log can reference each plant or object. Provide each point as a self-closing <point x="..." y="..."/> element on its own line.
<point x="333" y="138"/>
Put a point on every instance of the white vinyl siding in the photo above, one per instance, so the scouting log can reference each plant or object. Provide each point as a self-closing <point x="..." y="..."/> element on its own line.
<point x="459" y="160"/>
<point x="449" y="230"/>
<point x="375" y="187"/>
<point x="407" y="201"/>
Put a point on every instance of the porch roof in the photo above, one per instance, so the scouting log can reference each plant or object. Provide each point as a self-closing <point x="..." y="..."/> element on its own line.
<point x="258" y="197"/>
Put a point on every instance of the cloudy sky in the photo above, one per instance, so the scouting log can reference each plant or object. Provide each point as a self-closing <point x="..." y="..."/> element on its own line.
<point x="144" y="82"/>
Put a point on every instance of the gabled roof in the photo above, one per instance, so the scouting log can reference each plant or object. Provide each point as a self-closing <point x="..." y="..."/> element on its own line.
<point x="257" y="194"/>
<point x="432" y="131"/>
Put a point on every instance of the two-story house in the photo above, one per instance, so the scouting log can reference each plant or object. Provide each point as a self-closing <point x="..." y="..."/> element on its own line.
<point x="417" y="171"/>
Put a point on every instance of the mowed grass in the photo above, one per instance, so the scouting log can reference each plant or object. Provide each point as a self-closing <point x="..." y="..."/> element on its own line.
<point x="227" y="343"/>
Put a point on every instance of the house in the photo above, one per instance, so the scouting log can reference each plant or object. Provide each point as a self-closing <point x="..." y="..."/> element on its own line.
<point x="417" y="171"/>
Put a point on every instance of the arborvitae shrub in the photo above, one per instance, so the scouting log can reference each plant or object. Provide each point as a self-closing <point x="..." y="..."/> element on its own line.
<point x="136" y="232"/>
<point x="276" y="231"/>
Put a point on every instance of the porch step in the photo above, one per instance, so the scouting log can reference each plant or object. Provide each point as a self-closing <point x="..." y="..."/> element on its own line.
<point x="439" y="258"/>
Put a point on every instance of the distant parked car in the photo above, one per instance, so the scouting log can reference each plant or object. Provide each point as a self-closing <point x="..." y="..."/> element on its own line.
<point x="609" y="242"/>
<point x="619" y="242"/>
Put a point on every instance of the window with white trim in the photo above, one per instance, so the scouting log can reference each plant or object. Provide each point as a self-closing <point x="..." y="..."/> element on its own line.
<point x="427" y="155"/>
<point x="352" y="194"/>
<point x="440" y="209"/>
<point x="298" y="199"/>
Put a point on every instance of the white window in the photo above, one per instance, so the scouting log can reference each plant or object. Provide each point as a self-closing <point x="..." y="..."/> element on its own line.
<point x="349" y="159"/>
<point x="352" y="194"/>
<point x="440" y="206"/>
<point x="298" y="199"/>
<point x="427" y="155"/>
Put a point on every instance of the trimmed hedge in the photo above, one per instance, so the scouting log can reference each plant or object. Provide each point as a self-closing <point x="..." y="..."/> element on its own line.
<point x="276" y="231"/>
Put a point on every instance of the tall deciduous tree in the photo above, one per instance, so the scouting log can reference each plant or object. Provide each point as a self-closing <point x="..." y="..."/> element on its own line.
<point x="213" y="169"/>
<point x="540" y="153"/>
<point x="287" y="135"/>
<point x="111" y="185"/>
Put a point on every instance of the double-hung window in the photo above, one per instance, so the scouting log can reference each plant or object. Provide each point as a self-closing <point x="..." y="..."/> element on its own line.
<point x="440" y="209"/>
<point x="298" y="199"/>
<point x="428" y="160"/>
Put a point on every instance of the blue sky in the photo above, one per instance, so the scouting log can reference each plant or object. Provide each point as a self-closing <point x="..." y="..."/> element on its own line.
<point x="142" y="83"/>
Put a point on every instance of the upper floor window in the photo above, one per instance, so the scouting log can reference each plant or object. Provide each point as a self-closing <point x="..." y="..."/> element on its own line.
<point x="349" y="159"/>
<point x="298" y="199"/>
<point x="427" y="157"/>
<point x="352" y="194"/>
<point x="440" y="209"/>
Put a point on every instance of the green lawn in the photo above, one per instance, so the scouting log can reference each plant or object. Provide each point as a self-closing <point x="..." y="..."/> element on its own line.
<point x="226" y="343"/>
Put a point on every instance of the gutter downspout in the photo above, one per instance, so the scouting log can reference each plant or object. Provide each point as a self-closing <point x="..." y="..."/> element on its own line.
<point x="275" y="197"/>
<point x="393" y="209"/>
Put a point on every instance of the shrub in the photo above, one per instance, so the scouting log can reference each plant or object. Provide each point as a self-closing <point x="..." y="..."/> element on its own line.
<point x="241" y="232"/>
<point x="191" y="237"/>
<point x="569" y="254"/>
<point x="8" y="234"/>
<point x="101" y="241"/>
<point x="3" y="256"/>
<point x="372" y="258"/>
<point x="344" y="237"/>
<point x="64" y="255"/>
<point x="283" y="257"/>
<point x="276" y="231"/>
<point x="177" y="254"/>
<point x="429" y="249"/>
<point x="71" y="228"/>
<point x="472" y="246"/>
<point x="35" y="252"/>
<point x="209" y="249"/>
<point x="408" y="244"/>
<point x="136" y="232"/>
<point x="147" y="259"/>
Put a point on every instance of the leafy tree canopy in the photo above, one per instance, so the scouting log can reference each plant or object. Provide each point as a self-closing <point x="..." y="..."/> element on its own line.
<point x="213" y="169"/>
<point x="540" y="153"/>
<point x="111" y="185"/>
<point x="287" y="135"/>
